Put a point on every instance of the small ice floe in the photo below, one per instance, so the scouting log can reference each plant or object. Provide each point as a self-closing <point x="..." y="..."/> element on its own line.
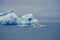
<point x="28" y="20"/>
<point x="43" y="25"/>
<point x="40" y="26"/>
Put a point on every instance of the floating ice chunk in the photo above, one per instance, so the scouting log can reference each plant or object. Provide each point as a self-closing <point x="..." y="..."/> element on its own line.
<point x="40" y="26"/>
<point x="28" y="20"/>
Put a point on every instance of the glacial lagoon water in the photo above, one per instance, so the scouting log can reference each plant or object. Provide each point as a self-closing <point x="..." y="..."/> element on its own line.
<point x="13" y="32"/>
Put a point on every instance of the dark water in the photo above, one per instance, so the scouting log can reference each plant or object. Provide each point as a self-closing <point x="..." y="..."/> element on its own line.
<point x="11" y="32"/>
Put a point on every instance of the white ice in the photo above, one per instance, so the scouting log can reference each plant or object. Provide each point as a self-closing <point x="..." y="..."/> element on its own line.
<point x="10" y="18"/>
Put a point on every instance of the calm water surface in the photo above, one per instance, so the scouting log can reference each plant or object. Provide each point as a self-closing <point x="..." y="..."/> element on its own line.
<point x="12" y="32"/>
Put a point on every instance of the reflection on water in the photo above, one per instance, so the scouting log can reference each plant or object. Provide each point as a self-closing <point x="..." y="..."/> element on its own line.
<point x="12" y="32"/>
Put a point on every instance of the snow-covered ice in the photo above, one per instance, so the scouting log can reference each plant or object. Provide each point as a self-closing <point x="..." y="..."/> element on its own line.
<point x="10" y="18"/>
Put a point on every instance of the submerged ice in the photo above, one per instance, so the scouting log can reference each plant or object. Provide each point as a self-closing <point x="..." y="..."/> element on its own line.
<point x="10" y="18"/>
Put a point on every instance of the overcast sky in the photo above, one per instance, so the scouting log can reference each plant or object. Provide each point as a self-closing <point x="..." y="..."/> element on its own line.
<point x="42" y="9"/>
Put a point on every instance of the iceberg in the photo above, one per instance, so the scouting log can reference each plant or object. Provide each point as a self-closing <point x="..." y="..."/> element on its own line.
<point x="28" y="20"/>
<point x="10" y="18"/>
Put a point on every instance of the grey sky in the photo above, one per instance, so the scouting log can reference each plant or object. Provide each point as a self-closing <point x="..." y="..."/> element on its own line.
<point x="40" y="8"/>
